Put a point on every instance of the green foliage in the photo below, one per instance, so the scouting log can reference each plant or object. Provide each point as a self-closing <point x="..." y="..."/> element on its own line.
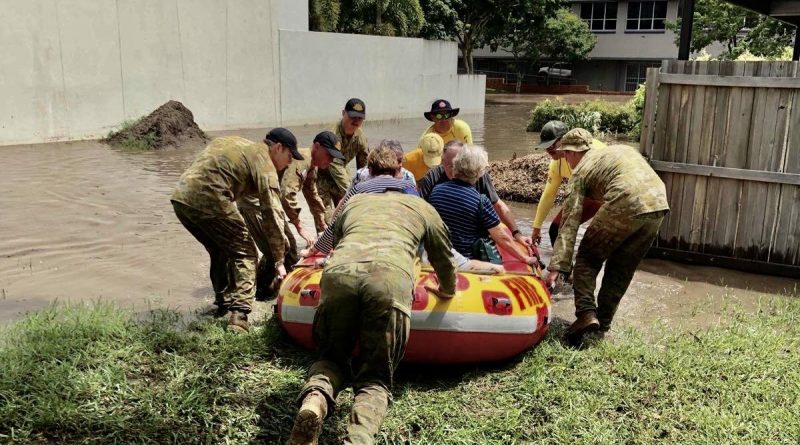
<point x="94" y="374"/>
<point x="376" y="17"/>
<point x="636" y="107"/>
<point x="122" y="138"/>
<point x="737" y="29"/>
<point x="597" y="116"/>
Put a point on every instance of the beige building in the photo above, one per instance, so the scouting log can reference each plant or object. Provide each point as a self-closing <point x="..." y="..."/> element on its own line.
<point x="631" y="36"/>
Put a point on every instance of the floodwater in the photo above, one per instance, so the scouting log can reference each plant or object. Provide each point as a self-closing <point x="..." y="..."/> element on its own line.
<point x="83" y="222"/>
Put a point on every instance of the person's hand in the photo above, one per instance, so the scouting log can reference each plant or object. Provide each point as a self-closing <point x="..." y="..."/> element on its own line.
<point x="439" y="293"/>
<point x="309" y="238"/>
<point x="321" y="227"/>
<point x="305" y="253"/>
<point x="498" y="268"/>
<point x="526" y="241"/>
<point x="537" y="236"/>
<point x="532" y="261"/>
<point x="551" y="279"/>
<point x="281" y="272"/>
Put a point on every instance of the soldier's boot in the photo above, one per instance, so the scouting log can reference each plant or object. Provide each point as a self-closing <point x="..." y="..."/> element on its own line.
<point x="586" y="322"/>
<point x="308" y="422"/>
<point x="237" y="322"/>
<point x="369" y="409"/>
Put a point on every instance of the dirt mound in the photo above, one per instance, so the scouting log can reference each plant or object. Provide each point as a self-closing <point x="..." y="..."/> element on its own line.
<point x="170" y="125"/>
<point x="522" y="179"/>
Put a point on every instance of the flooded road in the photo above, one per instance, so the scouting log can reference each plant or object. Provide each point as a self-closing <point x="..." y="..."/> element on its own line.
<point x="83" y="222"/>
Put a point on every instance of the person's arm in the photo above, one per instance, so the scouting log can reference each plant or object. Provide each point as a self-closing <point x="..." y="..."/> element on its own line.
<point x="290" y="185"/>
<point x="486" y="186"/>
<point x="547" y="199"/>
<point x="491" y="222"/>
<point x="272" y="217"/>
<point x="466" y="133"/>
<point x="325" y="242"/>
<point x="437" y="245"/>
<point x="363" y="151"/>
<point x="568" y="232"/>
<point x="426" y="184"/>
<point x="313" y="199"/>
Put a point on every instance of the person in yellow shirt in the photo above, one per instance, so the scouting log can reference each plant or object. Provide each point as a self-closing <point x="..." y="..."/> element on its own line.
<point x="558" y="170"/>
<point x="445" y="124"/>
<point x="428" y="155"/>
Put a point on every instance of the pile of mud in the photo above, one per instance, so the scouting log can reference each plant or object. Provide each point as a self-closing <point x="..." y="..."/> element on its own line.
<point x="170" y="125"/>
<point x="522" y="179"/>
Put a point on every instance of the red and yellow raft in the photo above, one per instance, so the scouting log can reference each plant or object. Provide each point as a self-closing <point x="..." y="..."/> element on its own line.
<point x="492" y="317"/>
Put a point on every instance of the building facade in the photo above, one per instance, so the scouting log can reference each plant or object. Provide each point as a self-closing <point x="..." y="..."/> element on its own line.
<point x="631" y="36"/>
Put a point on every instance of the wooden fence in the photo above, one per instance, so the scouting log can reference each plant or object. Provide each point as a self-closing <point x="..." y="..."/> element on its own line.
<point x="725" y="138"/>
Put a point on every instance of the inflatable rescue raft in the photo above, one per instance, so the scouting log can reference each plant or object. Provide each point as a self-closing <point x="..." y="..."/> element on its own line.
<point x="492" y="317"/>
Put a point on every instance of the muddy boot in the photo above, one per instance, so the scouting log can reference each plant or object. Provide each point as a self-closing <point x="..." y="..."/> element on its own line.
<point x="308" y="423"/>
<point x="237" y="322"/>
<point x="586" y="322"/>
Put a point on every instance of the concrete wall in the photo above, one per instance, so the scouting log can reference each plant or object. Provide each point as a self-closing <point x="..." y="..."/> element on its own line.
<point x="396" y="77"/>
<point x="75" y="69"/>
<point x="294" y="15"/>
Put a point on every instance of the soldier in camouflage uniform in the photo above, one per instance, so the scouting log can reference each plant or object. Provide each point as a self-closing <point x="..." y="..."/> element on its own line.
<point x="634" y="205"/>
<point x="300" y="175"/>
<point x="366" y="296"/>
<point x="333" y="183"/>
<point x="227" y="170"/>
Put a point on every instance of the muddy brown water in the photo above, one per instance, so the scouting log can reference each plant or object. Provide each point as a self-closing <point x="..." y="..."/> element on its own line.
<point x="82" y="222"/>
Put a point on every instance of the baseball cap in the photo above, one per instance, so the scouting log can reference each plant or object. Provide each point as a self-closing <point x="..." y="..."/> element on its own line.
<point x="432" y="146"/>
<point x="576" y="139"/>
<point x="285" y="138"/>
<point x="356" y="108"/>
<point x="551" y="131"/>
<point x="330" y="142"/>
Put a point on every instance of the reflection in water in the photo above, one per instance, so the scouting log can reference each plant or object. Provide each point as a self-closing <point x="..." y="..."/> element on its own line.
<point x="83" y="222"/>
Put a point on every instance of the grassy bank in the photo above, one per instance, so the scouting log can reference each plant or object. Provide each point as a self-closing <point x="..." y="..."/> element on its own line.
<point x="73" y="374"/>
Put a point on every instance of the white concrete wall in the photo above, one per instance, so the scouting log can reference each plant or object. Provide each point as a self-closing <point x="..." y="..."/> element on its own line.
<point x="75" y="69"/>
<point x="294" y="15"/>
<point x="396" y="77"/>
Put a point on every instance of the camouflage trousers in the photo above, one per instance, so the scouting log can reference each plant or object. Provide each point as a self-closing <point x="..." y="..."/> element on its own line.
<point x="265" y="272"/>
<point x="364" y="303"/>
<point x="621" y="241"/>
<point x="329" y="192"/>
<point x="232" y="251"/>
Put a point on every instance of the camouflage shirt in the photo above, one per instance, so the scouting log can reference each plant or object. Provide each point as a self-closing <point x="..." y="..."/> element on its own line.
<point x="619" y="177"/>
<point x="300" y="175"/>
<point x="389" y="227"/>
<point x="230" y="169"/>
<point x="354" y="146"/>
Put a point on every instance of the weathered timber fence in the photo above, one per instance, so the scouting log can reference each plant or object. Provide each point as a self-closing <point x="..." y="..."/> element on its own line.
<point x="725" y="138"/>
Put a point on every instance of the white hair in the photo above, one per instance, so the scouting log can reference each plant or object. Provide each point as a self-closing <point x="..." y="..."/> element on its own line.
<point x="470" y="163"/>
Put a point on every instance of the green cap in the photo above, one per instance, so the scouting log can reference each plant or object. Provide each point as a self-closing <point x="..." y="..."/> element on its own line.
<point x="576" y="139"/>
<point x="550" y="134"/>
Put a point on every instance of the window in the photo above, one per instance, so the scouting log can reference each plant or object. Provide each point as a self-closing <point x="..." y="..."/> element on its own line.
<point x="646" y="15"/>
<point x="636" y="73"/>
<point x="600" y="16"/>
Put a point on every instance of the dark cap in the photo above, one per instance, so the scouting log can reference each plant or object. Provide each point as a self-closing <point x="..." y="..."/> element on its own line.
<point x="441" y="106"/>
<point x="286" y="138"/>
<point x="330" y="142"/>
<point x="356" y="108"/>
<point x="550" y="134"/>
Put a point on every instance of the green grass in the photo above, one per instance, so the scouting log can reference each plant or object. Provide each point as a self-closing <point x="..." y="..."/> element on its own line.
<point x="98" y="374"/>
<point x="128" y="142"/>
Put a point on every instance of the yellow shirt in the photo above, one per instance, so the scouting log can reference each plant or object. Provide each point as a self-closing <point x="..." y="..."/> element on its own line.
<point x="556" y="173"/>
<point x="459" y="130"/>
<point x="413" y="162"/>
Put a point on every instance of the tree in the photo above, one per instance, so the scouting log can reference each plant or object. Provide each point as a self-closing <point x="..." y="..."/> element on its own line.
<point x="737" y="29"/>
<point x="378" y="17"/>
<point x="534" y="29"/>
<point x="464" y="21"/>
